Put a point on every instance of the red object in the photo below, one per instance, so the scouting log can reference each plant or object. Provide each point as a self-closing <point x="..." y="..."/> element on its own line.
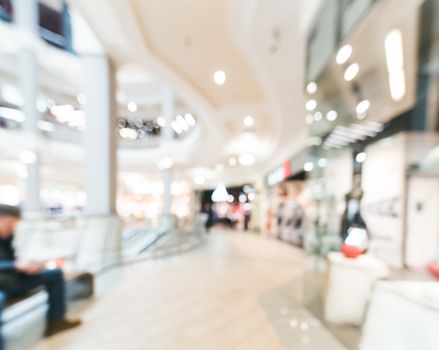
<point x="287" y="169"/>
<point x="350" y="251"/>
<point x="434" y="269"/>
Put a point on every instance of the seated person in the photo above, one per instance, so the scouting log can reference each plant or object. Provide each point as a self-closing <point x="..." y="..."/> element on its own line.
<point x="17" y="278"/>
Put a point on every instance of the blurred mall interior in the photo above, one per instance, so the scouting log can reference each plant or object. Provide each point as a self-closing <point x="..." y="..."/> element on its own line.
<point x="219" y="174"/>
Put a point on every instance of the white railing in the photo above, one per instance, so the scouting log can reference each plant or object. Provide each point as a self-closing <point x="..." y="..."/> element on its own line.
<point x="84" y="244"/>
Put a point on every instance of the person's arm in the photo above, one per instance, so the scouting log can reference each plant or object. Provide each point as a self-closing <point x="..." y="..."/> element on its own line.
<point x="6" y="265"/>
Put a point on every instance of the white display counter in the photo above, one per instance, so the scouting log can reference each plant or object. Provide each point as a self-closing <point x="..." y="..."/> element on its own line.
<point x="403" y="316"/>
<point x="349" y="286"/>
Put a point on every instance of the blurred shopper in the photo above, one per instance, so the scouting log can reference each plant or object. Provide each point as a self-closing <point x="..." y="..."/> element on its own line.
<point x="210" y="216"/>
<point x="17" y="278"/>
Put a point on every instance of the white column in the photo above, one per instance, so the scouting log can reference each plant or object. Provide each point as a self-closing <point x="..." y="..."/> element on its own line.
<point x="167" y="135"/>
<point x="100" y="141"/>
<point x="26" y="12"/>
<point x="26" y="15"/>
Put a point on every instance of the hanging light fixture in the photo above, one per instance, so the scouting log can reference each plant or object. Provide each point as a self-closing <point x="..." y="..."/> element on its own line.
<point x="220" y="194"/>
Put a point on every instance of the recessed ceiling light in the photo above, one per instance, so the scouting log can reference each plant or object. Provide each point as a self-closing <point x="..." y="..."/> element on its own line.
<point x="311" y="88"/>
<point x="318" y="116"/>
<point x="362" y="107"/>
<point x="351" y="72"/>
<point x="322" y="162"/>
<point x="344" y="54"/>
<point x="395" y="64"/>
<point x="177" y="127"/>
<point x="361" y="157"/>
<point x="161" y="121"/>
<point x="199" y="180"/>
<point x="233" y="161"/>
<point x="247" y="159"/>
<point x="331" y="116"/>
<point x="219" y="168"/>
<point x="309" y="166"/>
<point x="128" y="133"/>
<point x="132" y="107"/>
<point x="242" y="198"/>
<point x="311" y="105"/>
<point x="190" y="119"/>
<point x="182" y="122"/>
<point x="219" y="77"/>
<point x="249" y="121"/>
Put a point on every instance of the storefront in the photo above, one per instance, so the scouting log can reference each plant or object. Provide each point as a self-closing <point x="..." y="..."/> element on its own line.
<point x="287" y="202"/>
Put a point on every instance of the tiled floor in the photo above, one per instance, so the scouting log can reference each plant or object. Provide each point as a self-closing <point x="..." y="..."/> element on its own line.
<point x="238" y="291"/>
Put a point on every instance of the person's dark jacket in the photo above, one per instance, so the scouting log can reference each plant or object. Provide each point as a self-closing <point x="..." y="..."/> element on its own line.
<point x="8" y="273"/>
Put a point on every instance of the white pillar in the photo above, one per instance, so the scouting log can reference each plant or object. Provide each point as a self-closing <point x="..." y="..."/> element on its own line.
<point x="26" y="12"/>
<point x="100" y="141"/>
<point x="167" y="136"/>
<point x="26" y="15"/>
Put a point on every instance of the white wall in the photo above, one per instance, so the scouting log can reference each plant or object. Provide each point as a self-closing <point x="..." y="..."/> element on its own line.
<point x="383" y="203"/>
<point x="422" y="245"/>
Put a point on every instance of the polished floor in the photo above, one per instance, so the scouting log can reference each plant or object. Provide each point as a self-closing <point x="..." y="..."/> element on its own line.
<point x="237" y="291"/>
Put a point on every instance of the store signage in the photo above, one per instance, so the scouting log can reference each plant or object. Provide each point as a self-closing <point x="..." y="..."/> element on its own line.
<point x="279" y="174"/>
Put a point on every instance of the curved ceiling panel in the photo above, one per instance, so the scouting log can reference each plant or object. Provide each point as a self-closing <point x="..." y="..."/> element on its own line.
<point x="191" y="37"/>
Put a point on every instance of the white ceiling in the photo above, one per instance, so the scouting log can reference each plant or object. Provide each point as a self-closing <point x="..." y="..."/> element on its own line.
<point x="260" y="45"/>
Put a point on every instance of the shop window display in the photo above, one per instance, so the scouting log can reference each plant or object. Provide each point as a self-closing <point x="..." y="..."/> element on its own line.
<point x="286" y="212"/>
<point x="233" y="212"/>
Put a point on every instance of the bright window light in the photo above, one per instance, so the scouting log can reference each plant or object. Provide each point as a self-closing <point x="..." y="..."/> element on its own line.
<point x="311" y="88"/>
<point x="28" y="157"/>
<point x="12" y="114"/>
<point x="166" y="163"/>
<point x="22" y="172"/>
<point x="249" y="121"/>
<point x="351" y="72"/>
<point x="219" y="77"/>
<point x="311" y="105"/>
<point x="46" y="126"/>
<point x="331" y="116"/>
<point x="81" y="99"/>
<point x="344" y="54"/>
<point x="60" y="110"/>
